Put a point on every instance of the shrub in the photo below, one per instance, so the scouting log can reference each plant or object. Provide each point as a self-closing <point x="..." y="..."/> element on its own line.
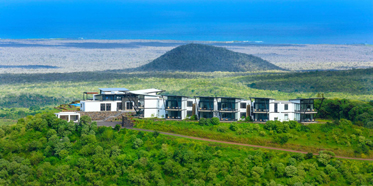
<point x="248" y="119"/>
<point x="117" y="127"/>
<point x="222" y="129"/>
<point x="281" y="138"/>
<point x="208" y="122"/>
<point x="309" y="155"/>
<point x="256" y="127"/>
<point x="193" y="117"/>
<point x="156" y="134"/>
<point x="215" y="121"/>
<point x="202" y="121"/>
<point x="233" y="127"/>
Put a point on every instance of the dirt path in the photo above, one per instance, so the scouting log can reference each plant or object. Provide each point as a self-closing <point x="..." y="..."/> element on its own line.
<point x="242" y="144"/>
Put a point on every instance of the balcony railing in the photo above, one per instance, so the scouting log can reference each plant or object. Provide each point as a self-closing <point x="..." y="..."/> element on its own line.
<point x="227" y="109"/>
<point x="227" y="119"/>
<point x="307" y="110"/>
<point x="261" y="110"/>
<point x="260" y="120"/>
<point x="173" y="117"/>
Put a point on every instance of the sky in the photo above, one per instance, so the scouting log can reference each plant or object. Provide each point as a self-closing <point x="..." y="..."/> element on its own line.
<point x="271" y="21"/>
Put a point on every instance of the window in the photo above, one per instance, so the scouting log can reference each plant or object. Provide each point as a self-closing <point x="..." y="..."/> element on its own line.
<point x="129" y="105"/>
<point x="243" y="115"/>
<point x="119" y="106"/>
<point x="190" y="104"/>
<point x="102" y="106"/>
<point x="286" y="117"/>
<point x="276" y="118"/>
<point x="276" y="110"/>
<point x="189" y="113"/>
<point x="286" y="107"/>
<point x="243" y="105"/>
<point x="108" y="106"/>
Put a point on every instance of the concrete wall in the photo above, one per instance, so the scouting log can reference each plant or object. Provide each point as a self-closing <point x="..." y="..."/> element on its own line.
<point x="95" y="106"/>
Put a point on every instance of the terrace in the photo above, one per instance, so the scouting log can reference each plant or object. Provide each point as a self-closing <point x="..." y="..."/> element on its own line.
<point x="261" y="105"/>
<point x="206" y="104"/>
<point x="174" y="103"/>
<point x="228" y="105"/>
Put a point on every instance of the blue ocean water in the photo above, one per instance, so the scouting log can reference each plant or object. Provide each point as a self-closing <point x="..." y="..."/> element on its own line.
<point x="267" y="21"/>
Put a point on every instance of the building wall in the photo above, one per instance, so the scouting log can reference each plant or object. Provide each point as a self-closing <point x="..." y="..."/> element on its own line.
<point x="280" y="114"/>
<point x="95" y="106"/>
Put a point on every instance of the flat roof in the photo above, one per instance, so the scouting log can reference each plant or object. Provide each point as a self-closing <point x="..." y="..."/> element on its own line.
<point x="217" y="97"/>
<point x="170" y="95"/>
<point x="146" y="91"/>
<point x="305" y="98"/>
<point x="260" y="98"/>
<point x="113" y="89"/>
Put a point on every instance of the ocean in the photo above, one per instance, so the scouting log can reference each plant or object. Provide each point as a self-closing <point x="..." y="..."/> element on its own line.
<point x="257" y="21"/>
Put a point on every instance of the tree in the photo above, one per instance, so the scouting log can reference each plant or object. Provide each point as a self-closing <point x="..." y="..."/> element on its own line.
<point x="137" y="143"/>
<point x="291" y="171"/>
<point x="215" y="121"/>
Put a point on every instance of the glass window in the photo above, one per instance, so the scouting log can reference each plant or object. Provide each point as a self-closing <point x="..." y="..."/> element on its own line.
<point x="190" y="104"/>
<point x="243" y="115"/>
<point x="243" y="105"/>
<point x="189" y="113"/>
<point x="108" y="106"/>
<point x="102" y="106"/>
<point x="119" y="106"/>
<point x="129" y="105"/>
<point x="286" y="107"/>
<point x="286" y="117"/>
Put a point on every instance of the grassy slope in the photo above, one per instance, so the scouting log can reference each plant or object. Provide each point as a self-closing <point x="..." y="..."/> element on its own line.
<point x="337" y="140"/>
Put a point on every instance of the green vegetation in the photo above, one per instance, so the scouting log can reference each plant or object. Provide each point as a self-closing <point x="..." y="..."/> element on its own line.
<point x="29" y="100"/>
<point x="343" y="138"/>
<point x="11" y="115"/>
<point x="44" y="150"/>
<point x="359" y="81"/>
<point x="206" y="58"/>
<point x="361" y="113"/>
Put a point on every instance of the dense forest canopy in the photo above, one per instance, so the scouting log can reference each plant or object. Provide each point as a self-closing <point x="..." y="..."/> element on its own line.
<point x="206" y="58"/>
<point x="44" y="150"/>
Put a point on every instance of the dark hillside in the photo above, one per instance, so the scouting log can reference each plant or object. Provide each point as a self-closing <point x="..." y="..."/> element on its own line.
<point x="206" y="58"/>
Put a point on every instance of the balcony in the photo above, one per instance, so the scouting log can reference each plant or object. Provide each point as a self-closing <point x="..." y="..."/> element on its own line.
<point x="260" y="110"/>
<point x="173" y="108"/>
<point x="227" y="109"/>
<point x="308" y="111"/>
<point x="206" y="106"/>
<point x="227" y="119"/>
<point x="174" y="117"/>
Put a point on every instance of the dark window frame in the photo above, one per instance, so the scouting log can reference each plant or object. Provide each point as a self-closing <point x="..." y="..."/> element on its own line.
<point x="189" y="103"/>
<point x="243" y="107"/>
<point x="102" y="107"/>
<point x="108" y="106"/>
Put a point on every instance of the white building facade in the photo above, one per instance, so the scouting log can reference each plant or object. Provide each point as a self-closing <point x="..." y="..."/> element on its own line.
<point x="149" y="103"/>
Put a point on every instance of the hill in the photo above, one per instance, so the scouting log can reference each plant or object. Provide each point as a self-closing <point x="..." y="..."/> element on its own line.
<point x="206" y="58"/>
<point x="45" y="150"/>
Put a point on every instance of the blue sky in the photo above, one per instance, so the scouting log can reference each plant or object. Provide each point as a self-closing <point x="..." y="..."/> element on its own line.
<point x="195" y="20"/>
